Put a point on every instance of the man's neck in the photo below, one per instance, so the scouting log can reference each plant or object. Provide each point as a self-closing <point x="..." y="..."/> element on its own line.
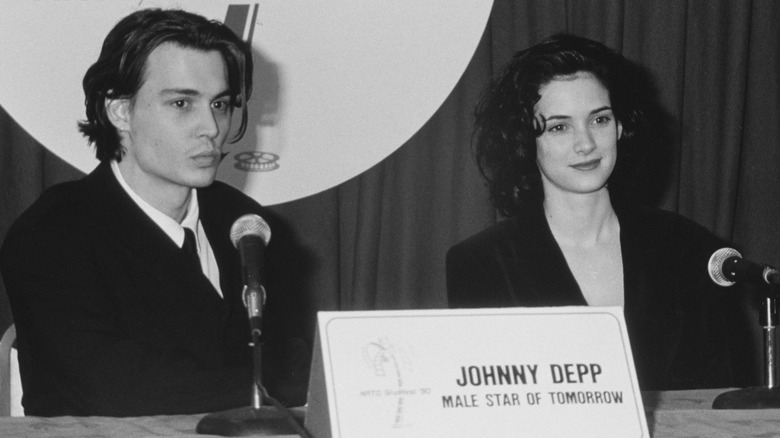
<point x="171" y="200"/>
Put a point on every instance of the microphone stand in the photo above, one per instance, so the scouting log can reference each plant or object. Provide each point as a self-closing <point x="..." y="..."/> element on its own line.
<point x="759" y="397"/>
<point x="259" y="419"/>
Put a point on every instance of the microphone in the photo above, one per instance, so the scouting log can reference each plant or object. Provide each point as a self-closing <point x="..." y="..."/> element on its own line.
<point x="726" y="266"/>
<point x="250" y="234"/>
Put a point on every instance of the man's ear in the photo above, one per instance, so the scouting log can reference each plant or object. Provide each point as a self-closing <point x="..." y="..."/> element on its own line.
<point x="118" y="111"/>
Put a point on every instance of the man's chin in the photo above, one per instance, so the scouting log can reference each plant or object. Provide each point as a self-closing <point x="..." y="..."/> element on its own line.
<point x="204" y="180"/>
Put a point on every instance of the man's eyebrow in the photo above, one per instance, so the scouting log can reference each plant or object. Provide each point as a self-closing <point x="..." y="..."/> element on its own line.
<point x="184" y="91"/>
<point x="191" y="92"/>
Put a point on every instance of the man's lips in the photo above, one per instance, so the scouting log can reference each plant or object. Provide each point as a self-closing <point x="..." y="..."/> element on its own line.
<point x="208" y="158"/>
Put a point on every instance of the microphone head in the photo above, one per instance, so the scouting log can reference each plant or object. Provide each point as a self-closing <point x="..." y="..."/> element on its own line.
<point x="715" y="265"/>
<point x="250" y="225"/>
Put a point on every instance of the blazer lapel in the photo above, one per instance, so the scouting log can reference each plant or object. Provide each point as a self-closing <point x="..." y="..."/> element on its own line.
<point x="139" y="240"/>
<point x="536" y="257"/>
<point x="217" y="220"/>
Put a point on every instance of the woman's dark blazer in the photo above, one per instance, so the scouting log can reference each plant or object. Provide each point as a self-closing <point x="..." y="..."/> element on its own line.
<point x="677" y="318"/>
<point x="111" y="321"/>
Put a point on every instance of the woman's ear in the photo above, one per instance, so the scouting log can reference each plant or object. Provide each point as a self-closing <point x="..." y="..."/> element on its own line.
<point x="118" y="111"/>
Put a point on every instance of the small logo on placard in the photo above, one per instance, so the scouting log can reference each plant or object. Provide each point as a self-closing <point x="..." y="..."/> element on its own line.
<point x="256" y="161"/>
<point x="387" y="360"/>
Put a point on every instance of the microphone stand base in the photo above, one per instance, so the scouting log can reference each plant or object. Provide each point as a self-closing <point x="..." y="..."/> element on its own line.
<point x="754" y="397"/>
<point x="250" y="421"/>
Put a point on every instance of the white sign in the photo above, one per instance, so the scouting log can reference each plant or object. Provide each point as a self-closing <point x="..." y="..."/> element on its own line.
<point x="537" y="372"/>
<point x="339" y="85"/>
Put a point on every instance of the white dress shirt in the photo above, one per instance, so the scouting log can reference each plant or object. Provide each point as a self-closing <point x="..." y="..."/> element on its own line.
<point x="175" y="231"/>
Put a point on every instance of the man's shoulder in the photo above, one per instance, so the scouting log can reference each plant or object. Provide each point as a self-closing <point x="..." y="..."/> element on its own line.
<point x="220" y="193"/>
<point x="61" y="203"/>
<point x="71" y="201"/>
<point x="59" y="213"/>
<point x="221" y="204"/>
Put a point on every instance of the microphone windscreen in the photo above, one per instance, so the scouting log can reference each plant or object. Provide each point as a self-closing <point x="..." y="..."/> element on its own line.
<point x="250" y="225"/>
<point x="715" y="265"/>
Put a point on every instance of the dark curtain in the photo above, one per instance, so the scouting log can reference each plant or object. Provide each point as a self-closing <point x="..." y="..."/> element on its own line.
<point x="378" y="241"/>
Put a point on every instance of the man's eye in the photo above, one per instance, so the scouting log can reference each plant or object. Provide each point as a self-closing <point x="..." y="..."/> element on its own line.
<point x="180" y="103"/>
<point x="221" y="105"/>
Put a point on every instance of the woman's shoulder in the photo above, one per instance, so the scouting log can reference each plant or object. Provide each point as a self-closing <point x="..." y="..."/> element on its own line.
<point x="656" y="224"/>
<point x="650" y="216"/>
<point x="497" y="231"/>
<point x="508" y="233"/>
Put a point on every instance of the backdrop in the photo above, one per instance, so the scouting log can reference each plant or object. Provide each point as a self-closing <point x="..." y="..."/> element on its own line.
<point x="378" y="241"/>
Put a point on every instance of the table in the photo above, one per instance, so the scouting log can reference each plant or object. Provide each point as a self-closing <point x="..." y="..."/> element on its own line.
<point x="673" y="414"/>
<point x="66" y="427"/>
<point x="689" y="414"/>
<point x="79" y="427"/>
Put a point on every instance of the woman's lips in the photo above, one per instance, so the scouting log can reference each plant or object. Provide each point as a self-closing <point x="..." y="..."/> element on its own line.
<point x="587" y="165"/>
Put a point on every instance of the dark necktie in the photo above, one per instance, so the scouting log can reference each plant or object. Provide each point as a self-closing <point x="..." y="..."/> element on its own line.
<point x="190" y="249"/>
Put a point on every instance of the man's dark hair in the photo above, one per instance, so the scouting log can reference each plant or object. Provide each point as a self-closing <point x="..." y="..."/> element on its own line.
<point x="119" y="71"/>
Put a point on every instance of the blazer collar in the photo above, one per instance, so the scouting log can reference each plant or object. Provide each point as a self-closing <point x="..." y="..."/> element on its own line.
<point x="117" y="216"/>
<point x="550" y="280"/>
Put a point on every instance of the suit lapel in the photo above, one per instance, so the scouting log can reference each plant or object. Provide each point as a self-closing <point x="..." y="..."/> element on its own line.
<point x="139" y="240"/>
<point x="217" y="219"/>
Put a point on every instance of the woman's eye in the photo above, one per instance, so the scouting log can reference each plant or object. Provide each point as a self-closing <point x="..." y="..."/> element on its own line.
<point x="557" y="128"/>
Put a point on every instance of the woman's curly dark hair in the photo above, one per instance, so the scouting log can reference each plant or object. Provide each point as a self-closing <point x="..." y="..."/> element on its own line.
<point x="506" y="129"/>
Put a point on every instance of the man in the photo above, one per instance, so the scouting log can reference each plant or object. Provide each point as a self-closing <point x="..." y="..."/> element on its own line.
<point x="112" y="318"/>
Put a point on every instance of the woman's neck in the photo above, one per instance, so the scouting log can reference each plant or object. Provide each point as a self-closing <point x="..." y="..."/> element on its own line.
<point x="581" y="219"/>
<point x="588" y="234"/>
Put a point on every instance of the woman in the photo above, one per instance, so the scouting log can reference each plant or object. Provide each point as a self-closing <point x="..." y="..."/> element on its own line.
<point x="549" y="134"/>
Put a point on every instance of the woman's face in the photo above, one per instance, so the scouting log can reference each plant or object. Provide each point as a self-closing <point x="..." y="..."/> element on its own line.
<point x="578" y="148"/>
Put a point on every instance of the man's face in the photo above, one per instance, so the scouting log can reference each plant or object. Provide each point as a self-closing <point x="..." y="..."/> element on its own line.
<point x="175" y="126"/>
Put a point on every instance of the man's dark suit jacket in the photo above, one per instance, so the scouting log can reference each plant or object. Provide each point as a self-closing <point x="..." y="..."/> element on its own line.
<point x="110" y="320"/>
<point x="678" y="320"/>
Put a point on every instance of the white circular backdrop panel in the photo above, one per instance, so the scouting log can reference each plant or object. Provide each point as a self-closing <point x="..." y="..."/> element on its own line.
<point x="339" y="84"/>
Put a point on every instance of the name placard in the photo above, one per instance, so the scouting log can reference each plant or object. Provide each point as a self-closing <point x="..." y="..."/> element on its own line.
<point x="541" y="372"/>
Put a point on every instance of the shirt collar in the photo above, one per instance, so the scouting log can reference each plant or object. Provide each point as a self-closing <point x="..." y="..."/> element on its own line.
<point x="171" y="228"/>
